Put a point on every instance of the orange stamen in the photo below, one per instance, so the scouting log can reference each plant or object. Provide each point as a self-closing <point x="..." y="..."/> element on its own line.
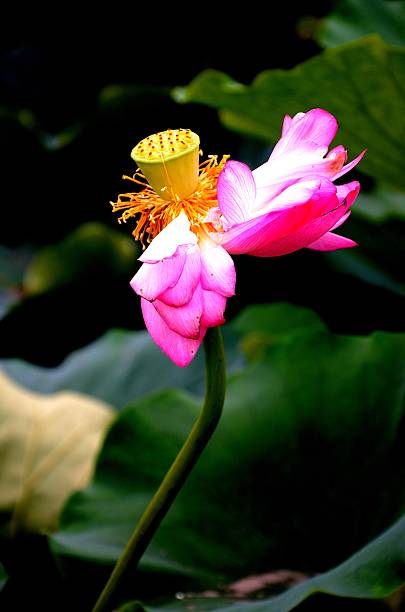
<point x="154" y="213"/>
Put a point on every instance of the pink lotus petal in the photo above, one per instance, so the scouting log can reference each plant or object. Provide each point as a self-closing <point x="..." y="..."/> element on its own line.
<point x="348" y="192"/>
<point x="300" y="152"/>
<point x="213" y="216"/>
<point x="287" y="169"/>
<point x="302" y="237"/>
<point x="217" y="269"/>
<point x="166" y="243"/>
<point x="286" y="165"/>
<point x="299" y="192"/>
<point x="182" y="292"/>
<point x="236" y="191"/>
<point x="184" y="320"/>
<point x="313" y="230"/>
<point x="261" y="232"/>
<point x="338" y="151"/>
<point x="280" y="172"/>
<point x="152" y="279"/>
<point x="179" y="349"/>
<point x="286" y="125"/>
<point x="316" y="126"/>
<point x="336" y="158"/>
<point x="331" y="242"/>
<point x="213" y="309"/>
<point x="349" y="166"/>
<point x="342" y="220"/>
<point x="266" y="193"/>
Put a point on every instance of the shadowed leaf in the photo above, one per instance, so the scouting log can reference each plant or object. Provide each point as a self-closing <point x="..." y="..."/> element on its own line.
<point x="48" y="446"/>
<point x="259" y="496"/>
<point x="368" y="71"/>
<point x="352" y="19"/>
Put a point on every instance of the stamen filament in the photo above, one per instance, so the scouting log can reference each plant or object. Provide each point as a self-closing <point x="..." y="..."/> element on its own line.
<point x="153" y="212"/>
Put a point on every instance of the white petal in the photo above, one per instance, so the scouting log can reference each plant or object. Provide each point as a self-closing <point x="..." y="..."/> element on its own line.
<point x="166" y="243"/>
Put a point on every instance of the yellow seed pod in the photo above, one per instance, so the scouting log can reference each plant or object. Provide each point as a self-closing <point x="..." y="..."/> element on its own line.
<point x="169" y="161"/>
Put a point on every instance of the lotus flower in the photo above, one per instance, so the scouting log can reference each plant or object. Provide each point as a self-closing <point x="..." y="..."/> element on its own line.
<point x="184" y="282"/>
<point x="289" y="202"/>
<point x="192" y="216"/>
<point x="185" y="277"/>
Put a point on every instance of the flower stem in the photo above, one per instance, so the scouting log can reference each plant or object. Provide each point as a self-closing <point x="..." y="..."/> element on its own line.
<point x="175" y="478"/>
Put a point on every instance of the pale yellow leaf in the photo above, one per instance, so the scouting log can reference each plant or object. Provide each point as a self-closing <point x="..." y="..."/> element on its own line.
<point x="48" y="448"/>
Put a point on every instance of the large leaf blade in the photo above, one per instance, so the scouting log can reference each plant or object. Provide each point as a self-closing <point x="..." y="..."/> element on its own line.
<point x="352" y="19"/>
<point x="307" y="394"/>
<point x="368" y="71"/>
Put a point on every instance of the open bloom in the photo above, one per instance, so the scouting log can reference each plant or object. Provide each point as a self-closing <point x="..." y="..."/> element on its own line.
<point x="185" y="277"/>
<point x="192" y="216"/>
<point x="289" y="202"/>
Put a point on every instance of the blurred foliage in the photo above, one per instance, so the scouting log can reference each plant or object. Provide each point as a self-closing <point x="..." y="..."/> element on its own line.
<point x="368" y="71"/>
<point x="3" y="576"/>
<point x="364" y="268"/>
<point x="90" y="253"/>
<point x="98" y="370"/>
<point x="26" y="119"/>
<point x="352" y="19"/>
<point x="48" y="445"/>
<point x="13" y="263"/>
<point x="307" y="394"/>
<point x="117" y="369"/>
<point x="374" y="572"/>
<point x="379" y="206"/>
<point x="378" y="260"/>
<point x="69" y="293"/>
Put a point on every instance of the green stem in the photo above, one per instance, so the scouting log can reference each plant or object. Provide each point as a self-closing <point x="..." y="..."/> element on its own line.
<point x="175" y="478"/>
